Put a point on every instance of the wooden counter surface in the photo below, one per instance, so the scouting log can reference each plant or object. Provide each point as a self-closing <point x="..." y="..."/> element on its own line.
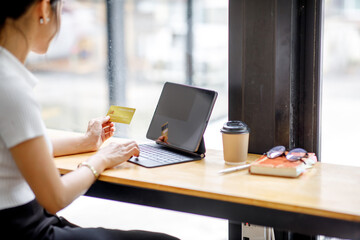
<point x="326" y="190"/>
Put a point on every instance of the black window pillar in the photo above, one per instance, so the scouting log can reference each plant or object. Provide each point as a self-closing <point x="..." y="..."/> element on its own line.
<point x="274" y="71"/>
<point x="310" y="89"/>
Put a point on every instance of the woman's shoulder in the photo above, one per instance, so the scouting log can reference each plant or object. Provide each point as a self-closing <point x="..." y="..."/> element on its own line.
<point x="15" y="94"/>
<point x="13" y="84"/>
<point x="14" y="77"/>
<point x="16" y="87"/>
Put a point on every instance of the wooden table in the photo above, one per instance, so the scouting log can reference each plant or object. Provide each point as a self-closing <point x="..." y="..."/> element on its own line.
<point x="323" y="201"/>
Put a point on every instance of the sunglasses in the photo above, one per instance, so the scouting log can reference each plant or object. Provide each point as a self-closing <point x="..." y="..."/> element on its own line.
<point x="293" y="155"/>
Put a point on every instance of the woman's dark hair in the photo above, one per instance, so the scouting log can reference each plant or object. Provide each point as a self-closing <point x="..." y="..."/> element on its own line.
<point x="15" y="9"/>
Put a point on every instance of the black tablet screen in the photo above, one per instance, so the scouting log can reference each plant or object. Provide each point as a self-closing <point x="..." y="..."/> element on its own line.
<point x="181" y="116"/>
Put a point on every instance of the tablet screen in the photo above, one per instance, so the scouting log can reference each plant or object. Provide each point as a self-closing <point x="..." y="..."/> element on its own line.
<point x="181" y="116"/>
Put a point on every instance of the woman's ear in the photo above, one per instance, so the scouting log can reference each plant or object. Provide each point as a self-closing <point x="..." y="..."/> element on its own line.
<point x="44" y="11"/>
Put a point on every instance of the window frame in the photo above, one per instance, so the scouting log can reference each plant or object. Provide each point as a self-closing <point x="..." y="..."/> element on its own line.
<point x="275" y="72"/>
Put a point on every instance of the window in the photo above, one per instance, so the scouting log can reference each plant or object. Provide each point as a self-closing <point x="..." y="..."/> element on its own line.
<point x="153" y="42"/>
<point x="341" y="82"/>
<point x="73" y="87"/>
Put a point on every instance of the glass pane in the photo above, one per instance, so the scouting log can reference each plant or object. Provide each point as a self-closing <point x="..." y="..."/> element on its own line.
<point x="73" y="86"/>
<point x="161" y="40"/>
<point x="155" y="42"/>
<point x="341" y="82"/>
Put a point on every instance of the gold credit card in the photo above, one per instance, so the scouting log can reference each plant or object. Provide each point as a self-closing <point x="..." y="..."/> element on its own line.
<point x="120" y="114"/>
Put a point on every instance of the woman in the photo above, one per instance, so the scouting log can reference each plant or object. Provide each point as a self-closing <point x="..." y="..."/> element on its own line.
<point x="31" y="190"/>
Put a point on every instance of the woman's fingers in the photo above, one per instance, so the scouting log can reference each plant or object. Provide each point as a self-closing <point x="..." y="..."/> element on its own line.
<point x="124" y="147"/>
<point x="104" y="120"/>
<point x="107" y="124"/>
<point x="116" y="153"/>
<point x="133" y="149"/>
<point x="130" y="143"/>
<point x="108" y="132"/>
<point x="134" y="152"/>
<point x="130" y="148"/>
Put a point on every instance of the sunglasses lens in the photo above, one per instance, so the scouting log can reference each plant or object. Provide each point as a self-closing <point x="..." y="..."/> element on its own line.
<point x="296" y="154"/>
<point x="275" y="152"/>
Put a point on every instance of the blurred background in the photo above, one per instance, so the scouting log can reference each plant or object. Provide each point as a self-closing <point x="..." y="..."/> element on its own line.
<point x="150" y="42"/>
<point x="341" y="82"/>
<point x="183" y="41"/>
<point x="121" y="52"/>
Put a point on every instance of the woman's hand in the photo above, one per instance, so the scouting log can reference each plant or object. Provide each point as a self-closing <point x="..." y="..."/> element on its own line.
<point x="99" y="130"/>
<point x="114" y="154"/>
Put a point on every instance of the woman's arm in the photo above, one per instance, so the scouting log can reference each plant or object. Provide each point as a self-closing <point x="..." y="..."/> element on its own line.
<point x="99" y="130"/>
<point x="54" y="192"/>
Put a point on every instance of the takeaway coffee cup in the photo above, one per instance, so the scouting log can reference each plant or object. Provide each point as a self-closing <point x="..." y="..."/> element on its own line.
<point x="235" y="135"/>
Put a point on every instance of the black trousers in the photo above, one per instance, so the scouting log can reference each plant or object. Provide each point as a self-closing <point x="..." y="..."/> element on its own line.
<point x="31" y="221"/>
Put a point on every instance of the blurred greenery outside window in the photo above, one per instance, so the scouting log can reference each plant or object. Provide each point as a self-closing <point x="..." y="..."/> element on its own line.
<point x="73" y="75"/>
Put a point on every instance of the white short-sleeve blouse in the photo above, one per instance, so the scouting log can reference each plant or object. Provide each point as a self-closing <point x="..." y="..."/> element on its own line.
<point x="20" y="120"/>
